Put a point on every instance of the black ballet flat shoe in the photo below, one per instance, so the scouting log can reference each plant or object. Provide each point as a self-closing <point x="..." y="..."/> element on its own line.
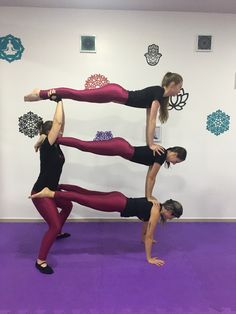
<point x="44" y="270"/>
<point x="63" y="235"/>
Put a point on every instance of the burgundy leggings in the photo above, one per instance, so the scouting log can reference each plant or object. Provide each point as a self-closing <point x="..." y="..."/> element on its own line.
<point x="47" y="208"/>
<point x="103" y="201"/>
<point x="108" y="93"/>
<point x="116" y="146"/>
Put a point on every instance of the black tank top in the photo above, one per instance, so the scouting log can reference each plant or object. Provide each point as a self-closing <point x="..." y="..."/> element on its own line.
<point x="51" y="163"/>
<point x="139" y="207"/>
<point x="144" y="155"/>
<point x="144" y="98"/>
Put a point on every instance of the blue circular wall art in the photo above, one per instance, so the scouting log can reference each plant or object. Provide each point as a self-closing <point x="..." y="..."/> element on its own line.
<point x="218" y="122"/>
<point x="11" y="48"/>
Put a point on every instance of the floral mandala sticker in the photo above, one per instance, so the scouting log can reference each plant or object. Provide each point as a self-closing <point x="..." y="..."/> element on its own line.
<point x="103" y="136"/>
<point x="96" y="80"/>
<point x="218" y="122"/>
<point x="28" y="124"/>
<point x="179" y="101"/>
<point x="153" y="56"/>
<point x="11" y="48"/>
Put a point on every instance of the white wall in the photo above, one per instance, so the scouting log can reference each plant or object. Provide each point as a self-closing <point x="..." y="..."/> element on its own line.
<point x="205" y="183"/>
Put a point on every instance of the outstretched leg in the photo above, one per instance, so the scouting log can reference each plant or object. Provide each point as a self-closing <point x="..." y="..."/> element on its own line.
<point x="116" y="146"/>
<point x="107" y="202"/>
<point x="108" y="93"/>
<point x="78" y="189"/>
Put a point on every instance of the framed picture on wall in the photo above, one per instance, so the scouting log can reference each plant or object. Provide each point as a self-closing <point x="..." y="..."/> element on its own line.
<point x="88" y="43"/>
<point x="157" y="135"/>
<point x="204" y="43"/>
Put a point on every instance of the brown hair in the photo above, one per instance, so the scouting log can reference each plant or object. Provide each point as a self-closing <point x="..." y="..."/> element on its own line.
<point x="175" y="207"/>
<point x="167" y="79"/>
<point x="180" y="151"/>
<point x="44" y="127"/>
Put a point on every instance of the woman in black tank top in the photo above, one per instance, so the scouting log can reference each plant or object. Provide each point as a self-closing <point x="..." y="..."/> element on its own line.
<point x="118" y="146"/>
<point x="145" y="210"/>
<point x="154" y="99"/>
<point x="51" y="164"/>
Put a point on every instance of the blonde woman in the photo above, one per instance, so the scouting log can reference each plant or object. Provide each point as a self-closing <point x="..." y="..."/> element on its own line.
<point x="155" y="99"/>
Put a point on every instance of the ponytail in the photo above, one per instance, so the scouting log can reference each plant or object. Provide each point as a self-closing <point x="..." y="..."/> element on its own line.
<point x="44" y="127"/>
<point x="167" y="79"/>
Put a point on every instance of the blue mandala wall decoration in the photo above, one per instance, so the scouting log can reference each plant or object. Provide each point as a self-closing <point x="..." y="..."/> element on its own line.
<point x="11" y="48"/>
<point x="218" y="122"/>
<point x="179" y="101"/>
<point x="103" y="136"/>
<point x="153" y="56"/>
<point x="28" y="124"/>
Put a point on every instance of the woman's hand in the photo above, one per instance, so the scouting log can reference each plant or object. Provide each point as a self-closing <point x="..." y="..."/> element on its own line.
<point x="157" y="148"/>
<point x="156" y="261"/>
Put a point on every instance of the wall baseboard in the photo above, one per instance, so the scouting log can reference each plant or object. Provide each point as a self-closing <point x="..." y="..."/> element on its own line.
<point x="122" y="220"/>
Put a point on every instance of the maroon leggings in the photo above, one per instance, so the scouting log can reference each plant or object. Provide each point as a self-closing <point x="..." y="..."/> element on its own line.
<point x="103" y="201"/>
<point x="47" y="208"/>
<point x="116" y="146"/>
<point x="108" y="93"/>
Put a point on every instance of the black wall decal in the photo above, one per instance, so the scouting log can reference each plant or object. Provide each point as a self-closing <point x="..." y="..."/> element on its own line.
<point x="28" y="124"/>
<point x="153" y="56"/>
<point x="179" y="101"/>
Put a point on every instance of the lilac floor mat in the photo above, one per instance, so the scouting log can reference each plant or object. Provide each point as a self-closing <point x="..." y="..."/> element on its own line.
<point x="101" y="269"/>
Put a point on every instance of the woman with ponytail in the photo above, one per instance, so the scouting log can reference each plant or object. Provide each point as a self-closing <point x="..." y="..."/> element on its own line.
<point x="148" y="212"/>
<point x="155" y="99"/>
<point x="51" y="163"/>
<point x="143" y="155"/>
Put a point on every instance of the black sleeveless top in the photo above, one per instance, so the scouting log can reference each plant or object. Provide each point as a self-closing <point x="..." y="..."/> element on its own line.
<point x="143" y="98"/>
<point x="51" y="163"/>
<point x="144" y="155"/>
<point x="139" y="207"/>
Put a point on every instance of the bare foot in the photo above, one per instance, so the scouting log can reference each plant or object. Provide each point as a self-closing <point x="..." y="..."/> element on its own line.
<point x="43" y="193"/>
<point x="33" y="96"/>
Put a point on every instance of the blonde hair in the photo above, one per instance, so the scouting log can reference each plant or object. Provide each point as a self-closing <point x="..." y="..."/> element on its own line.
<point x="167" y="79"/>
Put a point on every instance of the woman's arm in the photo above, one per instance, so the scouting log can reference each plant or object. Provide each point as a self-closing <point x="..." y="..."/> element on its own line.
<point x="57" y="124"/>
<point x="63" y="122"/>
<point x="151" y="227"/>
<point x="151" y="122"/>
<point x="151" y="115"/>
<point x="147" y="122"/>
<point x="39" y="142"/>
<point x="144" y="231"/>
<point x="150" y="180"/>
